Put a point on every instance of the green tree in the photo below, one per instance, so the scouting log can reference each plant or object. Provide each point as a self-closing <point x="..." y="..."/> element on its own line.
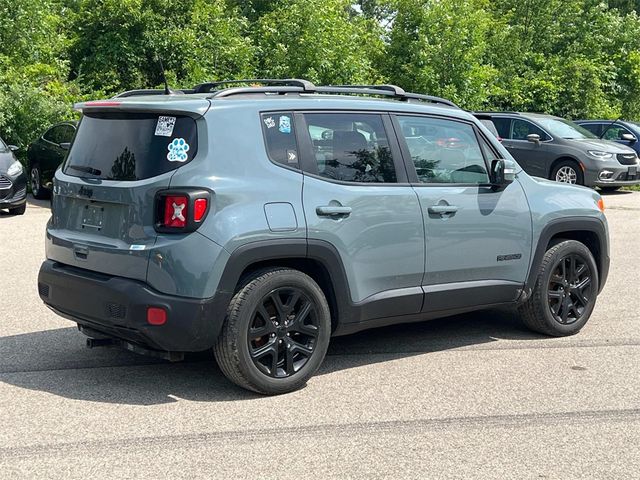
<point x="118" y="43"/>
<point x="33" y="69"/>
<point x="439" y="48"/>
<point x="325" y="41"/>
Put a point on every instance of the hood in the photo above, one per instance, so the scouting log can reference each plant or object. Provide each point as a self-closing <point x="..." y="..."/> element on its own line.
<point x="6" y="159"/>
<point x="602" y="145"/>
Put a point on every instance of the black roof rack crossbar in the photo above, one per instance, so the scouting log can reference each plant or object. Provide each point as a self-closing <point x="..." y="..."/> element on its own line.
<point x="306" y="85"/>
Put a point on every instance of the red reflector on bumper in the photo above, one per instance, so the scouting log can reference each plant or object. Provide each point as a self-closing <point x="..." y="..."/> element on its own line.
<point x="156" y="316"/>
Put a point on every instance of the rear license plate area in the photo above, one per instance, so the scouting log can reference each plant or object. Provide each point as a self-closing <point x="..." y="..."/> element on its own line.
<point x="93" y="218"/>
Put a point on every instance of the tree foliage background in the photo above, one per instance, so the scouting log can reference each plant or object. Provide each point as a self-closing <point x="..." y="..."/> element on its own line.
<point x="574" y="58"/>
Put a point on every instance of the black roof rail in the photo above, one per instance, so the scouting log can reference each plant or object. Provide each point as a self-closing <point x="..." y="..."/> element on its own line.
<point x="385" y="90"/>
<point x="293" y="85"/>
<point x="228" y="92"/>
<point x="491" y="112"/>
<point x="374" y="90"/>
<point x="149" y="91"/>
<point x="306" y="85"/>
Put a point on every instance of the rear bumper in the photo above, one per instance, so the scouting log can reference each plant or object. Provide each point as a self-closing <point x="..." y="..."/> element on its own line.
<point x="117" y="307"/>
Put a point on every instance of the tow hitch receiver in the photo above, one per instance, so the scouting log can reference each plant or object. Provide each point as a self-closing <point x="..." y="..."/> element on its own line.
<point x="102" y="341"/>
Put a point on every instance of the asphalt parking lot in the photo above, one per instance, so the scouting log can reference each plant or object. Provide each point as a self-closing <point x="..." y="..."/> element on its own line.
<point x="474" y="396"/>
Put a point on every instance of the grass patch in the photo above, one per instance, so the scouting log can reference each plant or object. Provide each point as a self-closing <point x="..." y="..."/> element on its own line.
<point x="635" y="188"/>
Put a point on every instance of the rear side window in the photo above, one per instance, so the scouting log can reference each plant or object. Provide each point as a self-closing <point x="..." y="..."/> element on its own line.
<point x="131" y="146"/>
<point x="280" y="138"/>
<point x="503" y="126"/>
<point x="351" y="147"/>
<point x="66" y="133"/>
<point x="595" y="128"/>
<point x="53" y="134"/>
<point x="523" y="128"/>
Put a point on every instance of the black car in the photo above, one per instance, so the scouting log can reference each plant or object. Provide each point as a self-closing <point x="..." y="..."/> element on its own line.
<point x="13" y="181"/>
<point x="46" y="154"/>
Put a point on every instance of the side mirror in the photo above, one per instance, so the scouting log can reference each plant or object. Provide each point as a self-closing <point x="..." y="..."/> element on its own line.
<point x="501" y="173"/>
<point x="627" y="137"/>
<point x="64" y="145"/>
<point x="14" y="148"/>
<point x="533" y="138"/>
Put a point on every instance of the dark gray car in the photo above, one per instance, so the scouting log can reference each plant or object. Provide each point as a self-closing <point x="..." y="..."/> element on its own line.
<point x="13" y="181"/>
<point x="555" y="148"/>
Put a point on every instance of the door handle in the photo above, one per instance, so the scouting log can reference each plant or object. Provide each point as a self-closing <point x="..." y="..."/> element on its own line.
<point x="333" y="211"/>
<point x="442" y="209"/>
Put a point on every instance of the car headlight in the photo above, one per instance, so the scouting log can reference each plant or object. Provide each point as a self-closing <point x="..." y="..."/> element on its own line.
<point x="15" y="169"/>
<point x="600" y="155"/>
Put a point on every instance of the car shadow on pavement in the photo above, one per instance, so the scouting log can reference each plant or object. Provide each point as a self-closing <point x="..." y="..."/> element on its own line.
<point x="57" y="361"/>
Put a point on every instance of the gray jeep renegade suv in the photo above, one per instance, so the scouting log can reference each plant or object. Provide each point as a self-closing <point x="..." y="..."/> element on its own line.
<point x="261" y="221"/>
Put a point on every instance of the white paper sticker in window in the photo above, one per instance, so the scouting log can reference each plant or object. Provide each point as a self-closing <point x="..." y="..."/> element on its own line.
<point x="164" y="127"/>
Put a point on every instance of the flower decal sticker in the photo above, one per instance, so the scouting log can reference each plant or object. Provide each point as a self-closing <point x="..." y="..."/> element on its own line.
<point x="178" y="149"/>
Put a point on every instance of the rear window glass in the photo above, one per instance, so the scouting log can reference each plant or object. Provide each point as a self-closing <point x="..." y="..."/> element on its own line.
<point x="280" y="138"/>
<point x="131" y="146"/>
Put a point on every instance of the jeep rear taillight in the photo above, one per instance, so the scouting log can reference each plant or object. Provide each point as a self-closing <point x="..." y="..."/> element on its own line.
<point x="181" y="211"/>
<point x="176" y="211"/>
<point x="200" y="209"/>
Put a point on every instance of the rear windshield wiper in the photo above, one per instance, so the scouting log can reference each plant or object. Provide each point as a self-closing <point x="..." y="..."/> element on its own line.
<point x="89" y="170"/>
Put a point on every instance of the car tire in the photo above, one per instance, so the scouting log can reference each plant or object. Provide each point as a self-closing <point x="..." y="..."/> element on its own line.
<point x="609" y="189"/>
<point x="276" y="332"/>
<point x="567" y="171"/>
<point x="35" y="181"/>
<point x="567" y="283"/>
<point x="18" y="210"/>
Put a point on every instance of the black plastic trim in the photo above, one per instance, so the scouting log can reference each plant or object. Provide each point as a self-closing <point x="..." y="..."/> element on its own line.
<point x="458" y="295"/>
<point x="84" y="297"/>
<point x="569" y="225"/>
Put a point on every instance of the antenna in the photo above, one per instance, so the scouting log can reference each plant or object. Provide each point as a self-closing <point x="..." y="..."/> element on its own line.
<point x="167" y="90"/>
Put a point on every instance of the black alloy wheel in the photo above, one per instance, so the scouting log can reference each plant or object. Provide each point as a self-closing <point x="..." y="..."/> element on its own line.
<point x="570" y="289"/>
<point x="276" y="331"/>
<point x="283" y="332"/>
<point x="565" y="291"/>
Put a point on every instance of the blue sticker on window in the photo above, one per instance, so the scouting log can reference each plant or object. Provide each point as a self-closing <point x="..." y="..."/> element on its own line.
<point x="178" y="149"/>
<point x="285" y="124"/>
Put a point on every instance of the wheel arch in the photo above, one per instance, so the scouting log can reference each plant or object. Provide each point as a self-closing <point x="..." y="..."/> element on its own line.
<point x="565" y="158"/>
<point x="589" y="231"/>
<point x="318" y="259"/>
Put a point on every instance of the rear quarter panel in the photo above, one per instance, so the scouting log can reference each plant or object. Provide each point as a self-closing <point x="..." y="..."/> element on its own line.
<point x="232" y="162"/>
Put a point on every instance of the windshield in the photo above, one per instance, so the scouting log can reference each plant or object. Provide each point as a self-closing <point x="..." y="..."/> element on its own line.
<point x="3" y="146"/>
<point x="559" y="127"/>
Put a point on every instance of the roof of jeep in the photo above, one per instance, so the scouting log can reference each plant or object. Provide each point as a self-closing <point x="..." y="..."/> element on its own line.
<point x="201" y="102"/>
